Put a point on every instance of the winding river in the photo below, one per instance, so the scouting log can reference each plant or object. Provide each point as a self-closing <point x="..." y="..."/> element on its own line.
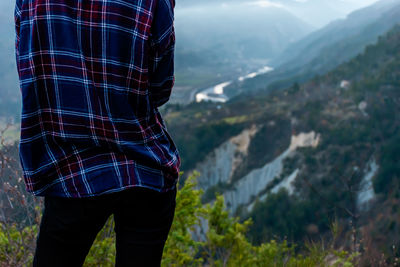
<point x="216" y="92"/>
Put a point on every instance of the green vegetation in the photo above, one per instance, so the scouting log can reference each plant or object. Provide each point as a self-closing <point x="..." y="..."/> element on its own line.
<point x="387" y="182"/>
<point x="283" y="215"/>
<point x="203" y="139"/>
<point x="222" y="242"/>
<point x="325" y="49"/>
<point x="270" y="140"/>
<point x="358" y="124"/>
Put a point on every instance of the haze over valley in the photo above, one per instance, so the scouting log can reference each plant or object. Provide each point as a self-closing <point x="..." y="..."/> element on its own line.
<point x="217" y="41"/>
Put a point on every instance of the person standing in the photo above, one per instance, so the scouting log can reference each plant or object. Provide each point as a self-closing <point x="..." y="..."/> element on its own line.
<point x="93" y="143"/>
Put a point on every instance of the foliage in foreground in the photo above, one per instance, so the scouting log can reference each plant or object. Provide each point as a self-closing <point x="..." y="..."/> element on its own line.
<point x="200" y="235"/>
<point x="207" y="235"/>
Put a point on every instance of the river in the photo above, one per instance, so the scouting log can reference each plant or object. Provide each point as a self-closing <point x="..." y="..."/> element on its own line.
<point x="216" y="92"/>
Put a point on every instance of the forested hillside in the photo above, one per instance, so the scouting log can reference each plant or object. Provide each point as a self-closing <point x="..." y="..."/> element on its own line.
<point x="352" y="173"/>
<point x="326" y="48"/>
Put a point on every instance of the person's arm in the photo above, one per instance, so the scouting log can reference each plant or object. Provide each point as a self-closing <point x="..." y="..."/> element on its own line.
<point x="161" y="65"/>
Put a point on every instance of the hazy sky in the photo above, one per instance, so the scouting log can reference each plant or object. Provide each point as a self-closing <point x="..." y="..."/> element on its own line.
<point x="346" y="6"/>
<point x="315" y="12"/>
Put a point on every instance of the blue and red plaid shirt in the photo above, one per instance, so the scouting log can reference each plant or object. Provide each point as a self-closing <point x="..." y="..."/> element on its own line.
<point x="92" y="76"/>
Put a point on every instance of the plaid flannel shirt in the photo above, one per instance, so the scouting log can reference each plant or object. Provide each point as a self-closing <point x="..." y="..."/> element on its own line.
<point x="92" y="76"/>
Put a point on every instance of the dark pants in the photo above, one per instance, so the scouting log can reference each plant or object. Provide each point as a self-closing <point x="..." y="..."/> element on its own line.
<point x="143" y="218"/>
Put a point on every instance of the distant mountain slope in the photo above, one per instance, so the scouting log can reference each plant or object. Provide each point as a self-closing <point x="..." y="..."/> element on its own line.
<point x="243" y="31"/>
<point x="212" y="42"/>
<point x="360" y="27"/>
<point x="321" y="12"/>
<point x="314" y="12"/>
<point x="216" y="41"/>
<point x="325" y="49"/>
<point x="332" y="145"/>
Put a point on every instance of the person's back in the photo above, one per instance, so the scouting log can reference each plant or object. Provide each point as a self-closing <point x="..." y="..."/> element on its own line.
<point x="92" y="76"/>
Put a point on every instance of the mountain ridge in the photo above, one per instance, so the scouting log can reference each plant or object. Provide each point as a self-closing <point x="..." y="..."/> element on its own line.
<point x="326" y="48"/>
<point x="353" y="111"/>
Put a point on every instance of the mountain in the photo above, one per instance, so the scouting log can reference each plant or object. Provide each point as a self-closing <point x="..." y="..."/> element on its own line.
<point x="216" y="41"/>
<point x="221" y="41"/>
<point x="326" y="48"/>
<point x="315" y="12"/>
<point x="363" y="25"/>
<point x="242" y="30"/>
<point x="320" y="12"/>
<point x="213" y="42"/>
<point x="297" y="159"/>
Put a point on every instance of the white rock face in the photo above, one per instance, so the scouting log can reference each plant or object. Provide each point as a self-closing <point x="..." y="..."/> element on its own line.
<point x="362" y="106"/>
<point x="367" y="193"/>
<point x="345" y="84"/>
<point x="218" y="167"/>
<point x="310" y="139"/>
<point x="286" y="183"/>
<point x="221" y="164"/>
<point x="253" y="183"/>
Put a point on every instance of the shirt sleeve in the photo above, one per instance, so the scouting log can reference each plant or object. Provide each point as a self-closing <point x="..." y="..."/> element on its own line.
<point x="162" y="42"/>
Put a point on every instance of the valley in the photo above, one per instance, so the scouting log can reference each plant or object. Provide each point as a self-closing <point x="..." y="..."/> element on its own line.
<point x="320" y="147"/>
